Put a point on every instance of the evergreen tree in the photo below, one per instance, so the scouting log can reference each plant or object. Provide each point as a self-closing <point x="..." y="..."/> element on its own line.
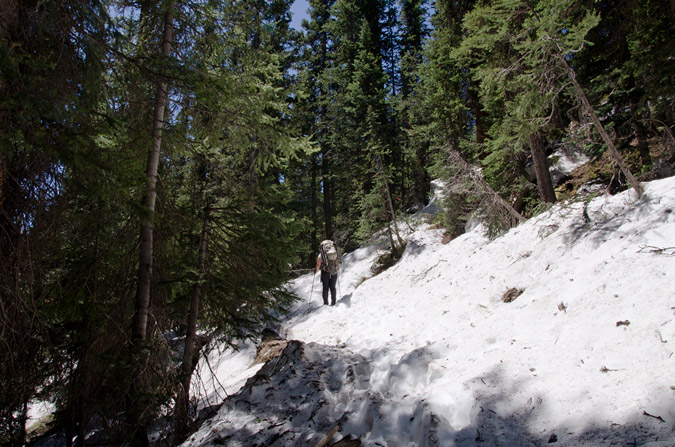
<point x="367" y="95"/>
<point x="51" y="78"/>
<point x="513" y="94"/>
<point x="243" y="234"/>
<point x="361" y="123"/>
<point x="527" y="76"/>
<point x="351" y="74"/>
<point x="311" y="175"/>
<point x="75" y="145"/>
<point x="411" y="113"/>
<point x="444" y="78"/>
<point x="625" y="74"/>
<point x="446" y="117"/>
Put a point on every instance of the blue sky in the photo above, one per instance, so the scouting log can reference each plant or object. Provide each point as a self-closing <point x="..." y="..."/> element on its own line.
<point x="299" y="10"/>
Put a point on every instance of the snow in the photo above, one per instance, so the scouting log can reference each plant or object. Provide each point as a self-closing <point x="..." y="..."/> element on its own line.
<point x="427" y="353"/>
<point x="223" y="372"/>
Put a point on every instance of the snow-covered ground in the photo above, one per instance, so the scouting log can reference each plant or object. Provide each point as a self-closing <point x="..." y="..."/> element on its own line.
<point x="429" y="354"/>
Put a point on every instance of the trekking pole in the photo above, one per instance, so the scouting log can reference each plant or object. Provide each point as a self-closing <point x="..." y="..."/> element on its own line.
<point x="339" y="291"/>
<point x="312" y="291"/>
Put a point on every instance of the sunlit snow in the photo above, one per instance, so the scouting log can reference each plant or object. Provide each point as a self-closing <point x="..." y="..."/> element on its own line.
<point x="427" y="353"/>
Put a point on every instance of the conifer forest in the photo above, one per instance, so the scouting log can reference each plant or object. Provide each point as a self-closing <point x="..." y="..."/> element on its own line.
<point x="166" y="166"/>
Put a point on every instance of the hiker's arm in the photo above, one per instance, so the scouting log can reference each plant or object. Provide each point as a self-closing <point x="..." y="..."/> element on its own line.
<point x="318" y="264"/>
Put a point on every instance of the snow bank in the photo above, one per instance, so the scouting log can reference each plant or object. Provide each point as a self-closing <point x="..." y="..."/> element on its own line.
<point x="428" y="353"/>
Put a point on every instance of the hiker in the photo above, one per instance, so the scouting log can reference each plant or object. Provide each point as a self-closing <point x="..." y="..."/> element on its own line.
<point x="329" y="262"/>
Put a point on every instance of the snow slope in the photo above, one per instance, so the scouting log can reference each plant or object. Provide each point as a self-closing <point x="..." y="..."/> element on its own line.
<point x="427" y="353"/>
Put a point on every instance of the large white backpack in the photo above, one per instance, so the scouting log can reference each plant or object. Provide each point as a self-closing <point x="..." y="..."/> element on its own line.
<point x="330" y="257"/>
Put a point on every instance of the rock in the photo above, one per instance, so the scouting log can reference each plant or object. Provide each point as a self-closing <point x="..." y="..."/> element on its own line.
<point x="271" y="346"/>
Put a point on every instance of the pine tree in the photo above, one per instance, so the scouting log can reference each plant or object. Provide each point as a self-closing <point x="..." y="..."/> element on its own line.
<point x="367" y="95"/>
<point x="624" y="73"/>
<point x="555" y="47"/>
<point x="85" y="165"/>
<point x="310" y="176"/>
<point x="531" y="73"/>
<point x="51" y="79"/>
<point x="443" y="78"/>
<point x="360" y="114"/>
<point x="446" y="115"/>
<point x="244" y="234"/>
<point x="409" y="103"/>
<point x="509" y="88"/>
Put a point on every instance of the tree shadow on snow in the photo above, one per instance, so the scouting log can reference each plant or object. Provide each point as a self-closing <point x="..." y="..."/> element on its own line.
<point x="295" y="399"/>
<point x="496" y="425"/>
<point x="599" y="224"/>
<point x="299" y="397"/>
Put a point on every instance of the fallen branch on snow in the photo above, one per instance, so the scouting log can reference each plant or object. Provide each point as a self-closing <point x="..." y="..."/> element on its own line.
<point x="326" y="439"/>
<point x="659" y="418"/>
<point x="668" y="251"/>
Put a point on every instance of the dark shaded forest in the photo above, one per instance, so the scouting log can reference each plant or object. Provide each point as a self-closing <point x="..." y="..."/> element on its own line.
<point x="167" y="166"/>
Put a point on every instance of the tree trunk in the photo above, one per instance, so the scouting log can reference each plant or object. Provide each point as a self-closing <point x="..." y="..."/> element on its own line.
<point x="390" y="205"/>
<point x="9" y="17"/>
<point x="314" y="243"/>
<point x="139" y="326"/>
<point x="514" y="217"/>
<point x="479" y="116"/>
<point x="544" y="182"/>
<point x="639" y="128"/>
<point x="3" y="177"/>
<point x="421" y="178"/>
<point x="142" y="302"/>
<point x="391" y="240"/>
<point x="642" y="144"/>
<point x="581" y="96"/>
<point x="327" y="190"/>
<point x="325" y="158"/>
<point x="183" y="397"/>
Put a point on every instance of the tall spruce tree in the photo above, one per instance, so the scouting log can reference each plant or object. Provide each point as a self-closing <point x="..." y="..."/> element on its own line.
<point x="311" y="176"/>
<point x="495" y="43"/>
<point x="235" y="145"/>
<point x="79" y="145"/>
<point x="51" y="79"/>
<point x="625" y="75"/>
<point x="340" y="137"/>
<point x="367" y="97"/>
<point x="362" y="129"/>
<point x="444" y="77"/>
<point x="447" y="118"/>
<point x="409" y="103"/>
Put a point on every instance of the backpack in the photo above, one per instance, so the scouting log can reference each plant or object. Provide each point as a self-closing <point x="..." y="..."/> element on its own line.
<point x="330" y="257"/>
